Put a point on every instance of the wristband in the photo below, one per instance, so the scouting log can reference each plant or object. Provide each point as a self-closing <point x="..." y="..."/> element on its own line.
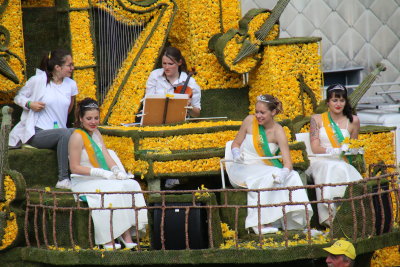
<point x="28" y="104"/>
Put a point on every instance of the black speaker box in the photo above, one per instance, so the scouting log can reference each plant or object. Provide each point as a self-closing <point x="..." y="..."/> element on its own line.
<point x="174" y="227"/>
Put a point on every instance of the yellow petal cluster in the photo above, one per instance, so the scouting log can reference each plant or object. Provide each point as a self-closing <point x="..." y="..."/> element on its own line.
<point x="184" y="166"/>
<point x="389" y="256"/>
<point x="124" y="148"/>
<point x="278" y="72"/>
<point x="201" y="194"/>
<point x="11" y="229"/>
<point x="85" y="80"/>
<point x="37" y="3"/>
<point x="296" y="156"/>
<point x="269" y="242"/>
<point x="188" y="142"/>
<point x="191" y="33"/>
<point x="201" y="124"/>
<point x="11" y="19"/>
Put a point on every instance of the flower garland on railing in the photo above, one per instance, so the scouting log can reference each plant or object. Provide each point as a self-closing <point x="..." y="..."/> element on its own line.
<point x="191" y="33"/>
<point x="11" y="229"/>
<point x="278" y="73"/>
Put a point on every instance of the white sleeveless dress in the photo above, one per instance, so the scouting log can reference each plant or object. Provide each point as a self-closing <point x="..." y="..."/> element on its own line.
<point x="123" y="219"/>
<point x="255" y="174"/>
<point x="325" y="170"/>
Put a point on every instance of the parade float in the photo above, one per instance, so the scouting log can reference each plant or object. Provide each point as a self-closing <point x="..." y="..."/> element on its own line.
<point x="236" y="59"/>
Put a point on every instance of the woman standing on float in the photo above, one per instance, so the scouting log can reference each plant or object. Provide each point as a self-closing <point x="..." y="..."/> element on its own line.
<point x="96" y="169"/>
<point x="46" y="99"/>
<point x="261" y="136"/>
<point x="327" y="132"/>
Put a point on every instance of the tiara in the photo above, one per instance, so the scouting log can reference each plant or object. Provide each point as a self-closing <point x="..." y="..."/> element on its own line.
<point x="263" y="99"/>
<point x="338" y="87"/>
<point x="91" y="105"/>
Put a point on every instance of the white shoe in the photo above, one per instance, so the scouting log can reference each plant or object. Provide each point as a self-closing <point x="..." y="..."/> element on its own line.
<point x="127" y="245"/>
<point x="171" y="183"/>
<point x="265" y="230"/>
<point x="110" y="247"/>
<point x="64" y="184"/>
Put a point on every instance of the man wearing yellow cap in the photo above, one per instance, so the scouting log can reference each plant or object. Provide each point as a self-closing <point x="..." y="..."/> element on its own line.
<point x="341" y="254"/>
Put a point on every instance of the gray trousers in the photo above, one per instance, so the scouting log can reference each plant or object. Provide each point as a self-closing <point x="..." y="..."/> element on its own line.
<point x="54" y="139"/>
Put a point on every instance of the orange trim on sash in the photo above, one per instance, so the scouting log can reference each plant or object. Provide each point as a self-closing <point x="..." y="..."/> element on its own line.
<point x="329" y="130"/>
<point x="89" y="148"/>
<point x="257" y="143"/>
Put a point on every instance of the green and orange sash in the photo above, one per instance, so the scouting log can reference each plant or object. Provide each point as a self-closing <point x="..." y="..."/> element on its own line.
<point x="333" y="131"/>
<point x="95" y="154"/>
<point x="261" y="146"/>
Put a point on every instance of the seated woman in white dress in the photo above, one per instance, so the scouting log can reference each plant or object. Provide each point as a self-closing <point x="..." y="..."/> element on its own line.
<point x="96" y="169"/>
<point x="327" y="132"/>
<point x="261" y="136"/>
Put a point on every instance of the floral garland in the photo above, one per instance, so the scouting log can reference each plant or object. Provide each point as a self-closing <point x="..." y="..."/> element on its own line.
<point x="11" y="229"/>
<point x="187" y="166"/>
<point x="36" y="3"/>
<point x="191" y="33"/>
<point x="188" y="142"/>
<point x="201" y="124"/>
<point x="11" y="20"/>
<point x="278" y="73"/>
<point x="124" y="148"/>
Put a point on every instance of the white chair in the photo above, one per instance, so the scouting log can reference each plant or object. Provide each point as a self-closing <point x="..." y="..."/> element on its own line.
<point x="229" y="158"/>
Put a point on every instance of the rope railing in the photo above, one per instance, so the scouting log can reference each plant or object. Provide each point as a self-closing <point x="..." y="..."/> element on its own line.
<point x="43" y="209"/>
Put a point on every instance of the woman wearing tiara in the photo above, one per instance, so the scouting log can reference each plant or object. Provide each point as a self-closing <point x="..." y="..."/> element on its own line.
<point x="327" y="132"/>
<point x="96" y="169"/>
<point x="261" y="136"/>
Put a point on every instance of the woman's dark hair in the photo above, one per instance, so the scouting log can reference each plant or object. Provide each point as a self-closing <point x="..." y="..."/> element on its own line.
<point x="51" y="59"/>
<point x="175" y="55"/>
<point x="81" y="108"/>
<point x="340" y="91"/>
<point x="271" y="102"/>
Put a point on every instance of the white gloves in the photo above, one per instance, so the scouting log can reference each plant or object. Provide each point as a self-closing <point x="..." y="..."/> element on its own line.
<point x="102" y="173"/>
<point x="333" y="150"/>
<point x="281" y="176"/>
<point x="120" y="175"/>
<point x="237" y="156"/>
<point x="345" y="147"/>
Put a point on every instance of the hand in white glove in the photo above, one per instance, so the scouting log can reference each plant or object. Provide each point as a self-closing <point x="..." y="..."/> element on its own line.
<point x="120" y="175"/>
<point x="281" y="176"/>
<point x="345" y="147"/>
<point x="237" y="156"/>
<point x="333" y="150"/>
<point x="102" y="173"/>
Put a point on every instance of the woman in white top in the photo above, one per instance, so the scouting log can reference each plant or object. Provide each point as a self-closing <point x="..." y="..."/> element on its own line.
<point x="261" y="136"/>
<point x="164" y="81"/>
<point x="96" y="169"/>
<point x="327" y="132"/>
<point x="46" y="99"/>
<point x="172" y="74"/>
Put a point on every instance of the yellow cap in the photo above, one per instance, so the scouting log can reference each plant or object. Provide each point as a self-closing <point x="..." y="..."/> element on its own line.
<point x="342" y="247"/>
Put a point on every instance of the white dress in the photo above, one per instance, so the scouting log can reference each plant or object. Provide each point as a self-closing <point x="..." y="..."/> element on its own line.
<point x="255" y="174"/>
<point x="123" y="219"/>
<point x="325" y="170"/>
